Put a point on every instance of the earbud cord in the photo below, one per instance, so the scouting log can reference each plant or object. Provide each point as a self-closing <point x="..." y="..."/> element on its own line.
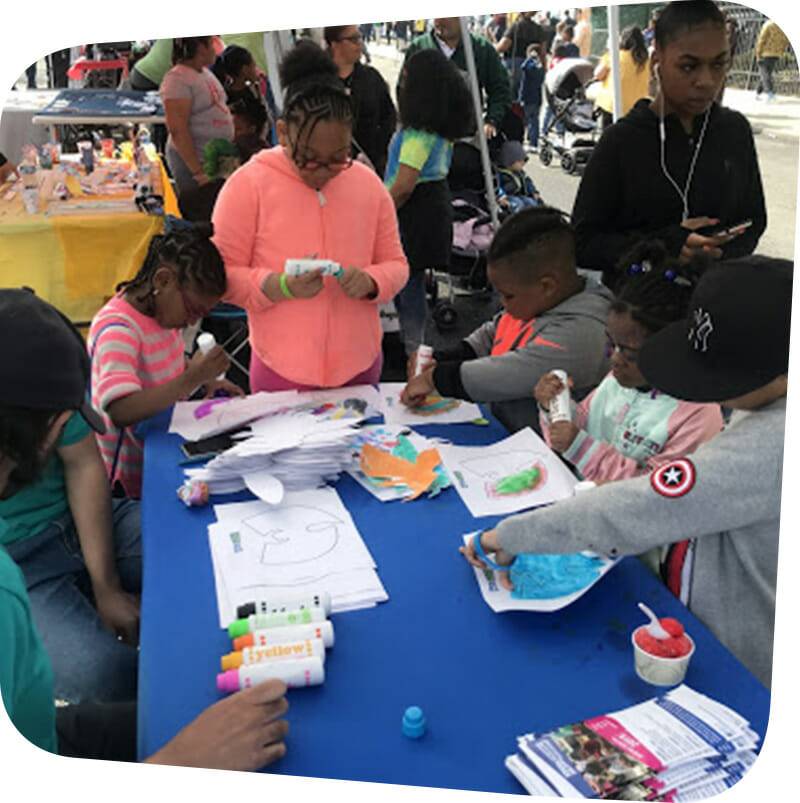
<point x="684" y="194"/>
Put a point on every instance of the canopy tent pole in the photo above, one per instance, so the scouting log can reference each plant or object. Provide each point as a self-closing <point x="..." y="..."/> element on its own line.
<point x="276" y="45"/>
<point x="469" y="57"/>
<point x="613" y="52"/>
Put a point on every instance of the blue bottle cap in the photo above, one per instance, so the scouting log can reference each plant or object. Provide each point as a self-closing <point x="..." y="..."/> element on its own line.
<point x="414" y="722"/>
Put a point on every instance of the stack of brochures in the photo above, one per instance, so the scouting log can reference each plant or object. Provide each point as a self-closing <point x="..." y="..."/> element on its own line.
<point x="680" y="746"/>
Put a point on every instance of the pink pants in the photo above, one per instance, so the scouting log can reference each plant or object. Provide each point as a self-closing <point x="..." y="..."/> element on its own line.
<point x="264" y="378"/>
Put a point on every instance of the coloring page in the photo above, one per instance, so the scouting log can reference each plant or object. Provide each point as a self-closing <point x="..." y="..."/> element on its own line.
<point x="435" y="410"/>
<point x="514" y="474"/>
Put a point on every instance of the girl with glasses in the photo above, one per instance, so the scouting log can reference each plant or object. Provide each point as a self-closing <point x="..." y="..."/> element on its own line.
<point x="624" y="427"/>
<point x="306" y="198"/>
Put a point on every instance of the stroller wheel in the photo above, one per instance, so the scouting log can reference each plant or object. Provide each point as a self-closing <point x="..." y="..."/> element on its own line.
<point x="445" y="316"/>
<point x="568" y="163"/>
<point x="545" y="154"/>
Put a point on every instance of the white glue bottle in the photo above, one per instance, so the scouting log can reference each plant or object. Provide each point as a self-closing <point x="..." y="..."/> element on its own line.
<point x="291" y="651"/>
<point x="282" y="635"/>
<point x="560" y="408"/>
<point x="424" y="359"/>
<point x="206" y="342"/>
<point x="284" y="602"/>
<point x="295" y="674"/>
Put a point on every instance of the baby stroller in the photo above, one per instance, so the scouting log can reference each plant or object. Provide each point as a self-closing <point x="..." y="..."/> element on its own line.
<point x="472" y="234"/>
<point x="571" y="133"/>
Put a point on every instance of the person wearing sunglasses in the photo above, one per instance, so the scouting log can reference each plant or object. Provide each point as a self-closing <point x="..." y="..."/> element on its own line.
<point x="306" y="198"/>
<point x="625" y="428"/>
<point x="137" y="350"/>
<point x="375" y="117"/>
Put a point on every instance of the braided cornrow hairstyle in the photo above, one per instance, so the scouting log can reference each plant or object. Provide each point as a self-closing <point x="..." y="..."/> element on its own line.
<point x="189" y="252"/>
<point x="314" y="91"/>
<point x="656" y="288"/>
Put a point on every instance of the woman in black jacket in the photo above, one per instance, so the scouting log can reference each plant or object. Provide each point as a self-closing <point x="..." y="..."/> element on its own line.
<point x="678" y="168"/>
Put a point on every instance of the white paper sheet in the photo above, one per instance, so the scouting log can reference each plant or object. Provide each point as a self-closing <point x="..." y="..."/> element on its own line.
<point x="224" y="414"/>
<point x="395" y="412"/>
<point x="499" y="599"/>
<point x="477" y="470"/>
<point x="265" y="486"/>
<point x="309" y="541"/>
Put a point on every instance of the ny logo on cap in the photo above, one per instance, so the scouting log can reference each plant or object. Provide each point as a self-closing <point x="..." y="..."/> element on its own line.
<point x="700" y="330"/>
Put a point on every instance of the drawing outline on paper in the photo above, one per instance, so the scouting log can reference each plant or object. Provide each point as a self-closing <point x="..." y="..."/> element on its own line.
<point x="316" y="536"/>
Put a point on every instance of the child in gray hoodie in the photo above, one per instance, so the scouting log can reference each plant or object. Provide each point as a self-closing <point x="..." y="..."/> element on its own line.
<point x="733" y="349"/>
<point x="552" y="318"/>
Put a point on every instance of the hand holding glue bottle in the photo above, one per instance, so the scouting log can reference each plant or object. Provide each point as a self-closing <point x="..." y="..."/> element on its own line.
<point x="207" y="368"/>
<point x="552" y="392"/>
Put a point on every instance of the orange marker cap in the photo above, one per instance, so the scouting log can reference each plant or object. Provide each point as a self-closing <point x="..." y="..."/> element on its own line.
<point x="233" y="660"/>
<point x="244" y="641"/>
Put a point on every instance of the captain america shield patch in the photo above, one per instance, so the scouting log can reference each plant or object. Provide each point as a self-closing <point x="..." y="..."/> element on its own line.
<point x="675" y="479"/>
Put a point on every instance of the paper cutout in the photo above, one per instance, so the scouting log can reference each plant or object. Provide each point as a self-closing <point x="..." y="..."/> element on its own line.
<point x="390" y="470"/>
<point x="435" y="405"/>
<point x="265" y="486"/>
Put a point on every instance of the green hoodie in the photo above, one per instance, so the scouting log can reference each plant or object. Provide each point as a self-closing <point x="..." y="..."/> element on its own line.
<point x="493" y="78"/>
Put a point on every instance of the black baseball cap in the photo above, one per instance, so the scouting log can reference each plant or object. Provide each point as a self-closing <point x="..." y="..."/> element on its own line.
<point x="43" y="364"/>
<point x="736" y="338"/>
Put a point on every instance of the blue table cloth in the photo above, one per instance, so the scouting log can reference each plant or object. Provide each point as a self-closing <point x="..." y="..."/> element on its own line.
<point x="481" y="678"/>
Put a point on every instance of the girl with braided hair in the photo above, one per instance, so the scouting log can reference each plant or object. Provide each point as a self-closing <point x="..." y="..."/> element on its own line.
<point x="307" y="198"/>
<point x="138" y="363"/>
<point x="624" y="427"/>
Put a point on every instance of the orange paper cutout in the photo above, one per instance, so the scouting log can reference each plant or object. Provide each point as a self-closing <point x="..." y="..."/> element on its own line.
<point x="393" y="470"/>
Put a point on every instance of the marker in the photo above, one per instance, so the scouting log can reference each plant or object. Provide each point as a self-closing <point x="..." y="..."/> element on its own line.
<point x="286" y="602"/>
<point x="560" y="405"/>
<point x="305" y="616"/>
<point x="283" y="635"/>
<point x="424" y="359"/>
<point x="292" y="651"/>
<point x="295" y="674"/>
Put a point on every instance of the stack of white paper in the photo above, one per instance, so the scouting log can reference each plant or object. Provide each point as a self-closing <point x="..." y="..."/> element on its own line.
<point x="680" y="746"/>
<point x="301" y="441"/>
<point x="309" y="542"/>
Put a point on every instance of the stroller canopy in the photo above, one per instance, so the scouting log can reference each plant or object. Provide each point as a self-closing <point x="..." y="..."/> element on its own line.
<point x="567" y="76"/>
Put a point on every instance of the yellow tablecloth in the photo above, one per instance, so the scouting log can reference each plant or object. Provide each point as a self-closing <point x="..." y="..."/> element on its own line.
<point x="76" y="261"/>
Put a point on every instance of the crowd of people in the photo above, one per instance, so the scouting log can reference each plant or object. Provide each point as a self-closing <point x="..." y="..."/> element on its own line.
<point x="674" y="337"/>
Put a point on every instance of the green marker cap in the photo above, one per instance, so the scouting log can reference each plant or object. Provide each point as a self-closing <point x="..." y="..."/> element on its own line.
<point x="241" y="627"/>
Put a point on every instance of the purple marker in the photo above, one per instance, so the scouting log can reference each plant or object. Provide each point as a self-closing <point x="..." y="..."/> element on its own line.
<point x="295" y="673"/>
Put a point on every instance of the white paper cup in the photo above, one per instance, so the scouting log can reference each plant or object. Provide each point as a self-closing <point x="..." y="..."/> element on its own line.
<point x="660" y="671"/>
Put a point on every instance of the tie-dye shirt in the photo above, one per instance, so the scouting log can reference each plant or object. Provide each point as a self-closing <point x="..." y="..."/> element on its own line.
<point x="130" y="352"/>
<point x="424" y="151"/>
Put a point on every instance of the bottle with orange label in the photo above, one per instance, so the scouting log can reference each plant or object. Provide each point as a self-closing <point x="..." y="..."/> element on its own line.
<point x="277" y="652"/>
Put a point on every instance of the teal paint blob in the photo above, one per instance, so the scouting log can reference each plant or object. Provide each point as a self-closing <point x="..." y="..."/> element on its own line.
<point x="551" y="576"/>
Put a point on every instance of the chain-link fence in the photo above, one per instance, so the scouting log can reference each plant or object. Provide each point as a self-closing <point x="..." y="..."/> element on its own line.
<point x="748" y="23"/>
<point x="744" y="70"/>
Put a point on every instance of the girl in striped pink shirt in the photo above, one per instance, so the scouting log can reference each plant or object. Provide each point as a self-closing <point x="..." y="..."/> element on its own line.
<point x="138" y="363"/>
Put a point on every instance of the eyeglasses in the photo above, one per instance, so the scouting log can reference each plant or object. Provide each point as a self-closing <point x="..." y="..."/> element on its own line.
<point x="626" y="352"/>
<point x="356" y="39"/>
<point x="334" y="165"/>
<point x="193" y="312"/>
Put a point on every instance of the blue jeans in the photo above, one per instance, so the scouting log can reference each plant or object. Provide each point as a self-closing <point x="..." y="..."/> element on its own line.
<point x="412" y="311"/>
<point x="532" y="123"/>
<point x="89" y="664"/>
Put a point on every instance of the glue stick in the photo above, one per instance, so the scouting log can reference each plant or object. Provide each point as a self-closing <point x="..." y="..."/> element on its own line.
<point x="284" y="602"/>
<point x="282" y="635"/>
<point x="263" y="621"/>
<point x="292" y="651"/>
<point x="295" y="674"/>
<point x="206" y="342"/>
<point x="560" y="405"/>
<point x="424" y="359"/>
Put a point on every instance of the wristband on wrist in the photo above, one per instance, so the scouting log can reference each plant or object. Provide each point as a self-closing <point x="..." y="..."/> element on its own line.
<point x="284" y="284"/>
<point x="479" y="551"/>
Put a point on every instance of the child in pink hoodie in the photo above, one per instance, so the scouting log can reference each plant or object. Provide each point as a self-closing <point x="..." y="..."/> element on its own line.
<point x="624" y="427"/>
<point x="305" y="198"/>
